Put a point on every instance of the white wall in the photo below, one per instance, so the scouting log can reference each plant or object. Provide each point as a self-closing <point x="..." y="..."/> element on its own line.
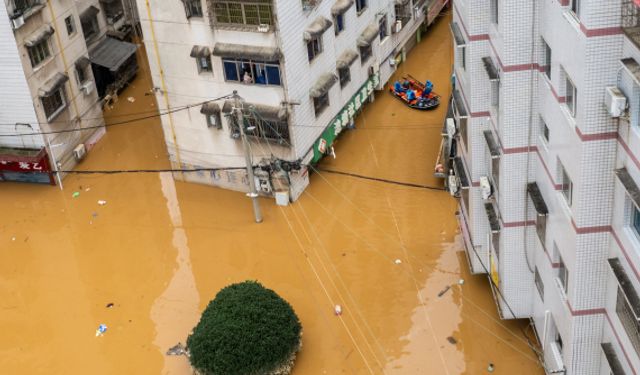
<point x="15" y="97"/>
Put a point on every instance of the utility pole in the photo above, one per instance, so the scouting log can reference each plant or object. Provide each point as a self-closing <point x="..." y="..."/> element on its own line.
<point x="253" y="194"/>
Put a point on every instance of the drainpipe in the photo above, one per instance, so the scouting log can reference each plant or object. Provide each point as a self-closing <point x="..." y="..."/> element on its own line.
<point x="164" y="86"/>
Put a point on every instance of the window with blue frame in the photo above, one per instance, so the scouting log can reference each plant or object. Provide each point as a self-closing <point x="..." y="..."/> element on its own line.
<point x="252" y="71"/>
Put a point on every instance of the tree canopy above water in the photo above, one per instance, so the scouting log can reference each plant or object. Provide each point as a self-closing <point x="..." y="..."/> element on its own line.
<point x="246" y="330"/>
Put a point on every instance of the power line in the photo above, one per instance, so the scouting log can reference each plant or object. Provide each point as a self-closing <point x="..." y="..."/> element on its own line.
<point x="123" y="171"/>
<point x="409" y="184"/>
<point x="115" y="123"/>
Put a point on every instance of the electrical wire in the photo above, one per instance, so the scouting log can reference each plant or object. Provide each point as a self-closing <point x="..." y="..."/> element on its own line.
<point x="408" y="184"/>
<point x="123" y="171"/>
<point x="526" y="338"/>
<point x="124" y="122"/>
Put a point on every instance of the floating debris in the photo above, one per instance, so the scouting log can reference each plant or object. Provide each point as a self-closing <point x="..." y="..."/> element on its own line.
<point x="110" y="305"/>
<point x="461" y="281"/>
<point x="131" y="99"/>
<point x="398" y="261"/>
<point x="452" y="340"/>
<point x="13" y="238"/>
<point x="177" y="349"/>
<point x="75" y="194"/>
<point x="490" y="368"/>
<point x="102" y="203"/>
<point x="337" y="310"/>
<point x="443" y="291"/>
<point x="102" y="328"/>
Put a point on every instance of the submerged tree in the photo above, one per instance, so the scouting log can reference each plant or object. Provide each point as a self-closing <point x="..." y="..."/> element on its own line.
<point x="246" y="330"/>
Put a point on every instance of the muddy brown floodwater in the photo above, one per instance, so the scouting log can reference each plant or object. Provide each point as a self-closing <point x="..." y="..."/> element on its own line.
<point x="159" y="250"/>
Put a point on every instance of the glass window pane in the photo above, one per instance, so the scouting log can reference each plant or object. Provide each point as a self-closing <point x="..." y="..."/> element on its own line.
<point x="273" y="75"/>
<point x="260" y="74"/>
<point x="230" y="71"/>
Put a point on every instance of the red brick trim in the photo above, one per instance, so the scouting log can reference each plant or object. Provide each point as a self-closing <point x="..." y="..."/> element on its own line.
<point x="605" y="31"/>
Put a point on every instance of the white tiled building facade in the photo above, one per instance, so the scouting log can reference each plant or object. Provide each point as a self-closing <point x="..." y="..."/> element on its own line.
<point x="48" y="83"/>
<point x="560" y="233"/>
<point x="303" y="69"/>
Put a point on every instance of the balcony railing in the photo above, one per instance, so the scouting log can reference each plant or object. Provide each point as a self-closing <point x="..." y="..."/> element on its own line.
<point x="631" y="20"/>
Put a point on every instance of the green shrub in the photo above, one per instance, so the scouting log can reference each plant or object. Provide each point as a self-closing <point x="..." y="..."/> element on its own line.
<point x="246" y="330"/>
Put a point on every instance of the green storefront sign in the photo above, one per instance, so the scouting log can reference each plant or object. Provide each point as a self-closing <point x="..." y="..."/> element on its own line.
<point x="344" y="117"/>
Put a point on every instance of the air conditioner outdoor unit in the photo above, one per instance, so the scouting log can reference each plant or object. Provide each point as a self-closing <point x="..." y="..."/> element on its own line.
<point x="453" y="183"/>
<point x="79" y="152"/>
<point x="398" y="26"/>
<point x="451" y="127"/>
<point x="615" y="101"/>
<point x="485" y="187"/>
<point x="263" y="28"/>
<point x="87" y="87"/>
<point x="17" y="22"/>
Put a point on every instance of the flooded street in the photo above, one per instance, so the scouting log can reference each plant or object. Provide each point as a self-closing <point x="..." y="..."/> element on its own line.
<point x="160" y="250"/>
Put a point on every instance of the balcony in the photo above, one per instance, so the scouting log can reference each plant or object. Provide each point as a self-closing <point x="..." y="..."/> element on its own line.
<point x="631" y="20"/>
<point x="21" y="10"/>
<point x="242" y="15"/>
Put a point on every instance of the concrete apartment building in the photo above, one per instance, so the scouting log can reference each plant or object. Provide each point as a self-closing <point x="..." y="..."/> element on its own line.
<point x="547" y="111"/>
<point x="303" y="68"/>
<point x="56" y="58"/>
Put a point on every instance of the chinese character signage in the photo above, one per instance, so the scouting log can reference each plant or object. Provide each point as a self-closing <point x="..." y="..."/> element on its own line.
<point x="25" y="166"/>
<point x="344" y="117"/>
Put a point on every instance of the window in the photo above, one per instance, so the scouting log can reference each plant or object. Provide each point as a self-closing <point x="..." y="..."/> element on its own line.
<point x="559" y="342"/>
<point x="462" y="57"/>
<point x="539" y="284"/>
<point x="21" y="6"/>
<point x="544" y="130"/>
<point x="566" y="185"/>
<point x="39" y="52"/>
<point x="320" y="103"/>
<point x="70" y="25"/>
<point x="204" y="64"/>
<point x="403" y="13"/>
<point x="575" y="7"/>
<point x="252" y="72"/>
<point x="382" y="27"/>
<point x="571" y="96"/>
<point x="628" y="318"/>
<point x="345" y="76"/>
<point x="242" y="13"/>
<point x="365" y="53"/>
<point x="635" y="220"/>
<point x="314" y="47"/>
<point x="53" y="104"/>
<point x="361" y="6"/>
<point x="272" y="130"/>
<point x="563" y="274"/>
<point x="81" y="74"/>
<point x="338" y="22"/>
<point x="193" y="8"/>
<point x="494" y="11"/>
<point x="495" y="171"/>
<point x="89" y="27"/>
<point x="547" y="59"/>
<point x="214" y="121"/>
